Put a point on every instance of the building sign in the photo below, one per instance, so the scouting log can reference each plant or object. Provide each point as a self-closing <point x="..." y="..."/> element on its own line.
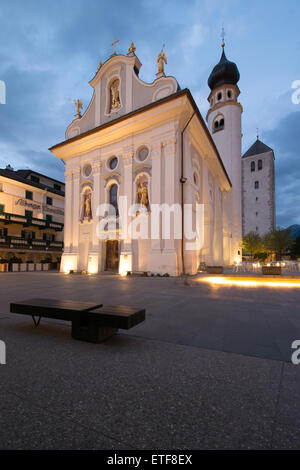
<point x="34" y="206"/>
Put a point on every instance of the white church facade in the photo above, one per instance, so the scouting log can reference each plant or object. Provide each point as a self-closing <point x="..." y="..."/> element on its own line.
<point x="149" y="143"/>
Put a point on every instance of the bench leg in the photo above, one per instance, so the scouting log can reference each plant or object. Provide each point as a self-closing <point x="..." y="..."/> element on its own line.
<point x="36" y="322"/>
<point x="91" y="333"/>
<point x="105" y="333"/>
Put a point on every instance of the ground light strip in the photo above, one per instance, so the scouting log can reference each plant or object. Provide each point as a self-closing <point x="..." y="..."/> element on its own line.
<point x="252" y="282"/>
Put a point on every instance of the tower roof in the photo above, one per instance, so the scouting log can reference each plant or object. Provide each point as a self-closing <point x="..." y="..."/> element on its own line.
<point x="225" y="72"/>
<point x="257" y="148"/>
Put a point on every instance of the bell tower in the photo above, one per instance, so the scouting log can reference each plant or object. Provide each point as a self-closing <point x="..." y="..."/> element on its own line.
<point x="224" y="123"/>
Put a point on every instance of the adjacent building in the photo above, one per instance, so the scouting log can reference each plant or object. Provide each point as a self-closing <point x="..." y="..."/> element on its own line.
<point x="31" y="216"/>
<point x="258" y="195"/>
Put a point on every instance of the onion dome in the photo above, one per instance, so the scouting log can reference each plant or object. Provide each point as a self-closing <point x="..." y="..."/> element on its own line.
<point x="225" y="72"/>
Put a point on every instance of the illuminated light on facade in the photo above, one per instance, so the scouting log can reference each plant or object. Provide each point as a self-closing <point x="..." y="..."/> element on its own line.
<point x="125" y="264"/>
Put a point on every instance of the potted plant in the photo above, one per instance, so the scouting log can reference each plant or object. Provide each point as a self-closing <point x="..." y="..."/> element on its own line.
<point x="30" y="265"/>
<point x="214" y="269"/>
<point x="15" y="263"/>
<point x="3" y="265"/>
<point x="46" y="264"/>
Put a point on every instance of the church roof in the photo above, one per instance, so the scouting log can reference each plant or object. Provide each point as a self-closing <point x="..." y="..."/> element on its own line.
<point x="225" y="72"/>
<point x="257" y="148"/>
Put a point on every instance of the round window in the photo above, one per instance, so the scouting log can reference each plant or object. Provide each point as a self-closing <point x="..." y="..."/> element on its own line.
<point x="87" y="169"/>
<point x="113" y="163"/>
<point x="143" y="154"/>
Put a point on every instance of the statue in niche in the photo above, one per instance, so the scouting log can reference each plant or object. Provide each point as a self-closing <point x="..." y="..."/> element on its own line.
<point x="115" y="95"/>
<point x="87" y="205"/>
<point x="142" y="195"/>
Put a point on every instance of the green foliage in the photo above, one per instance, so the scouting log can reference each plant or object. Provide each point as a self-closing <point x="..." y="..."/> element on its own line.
<point x="16" y="260"/>
<point x="252" y="244"/>
<point x="261" y="256"/>
<point x="278" y="241"/>
<point x="295" y="250"/>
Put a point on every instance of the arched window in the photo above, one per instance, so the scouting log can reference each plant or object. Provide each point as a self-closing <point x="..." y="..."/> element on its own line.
<point x="113" y="197"/>
<point x="219" y="123"/>
<point x="219" y="96"/>
<point x="260" y="165"/>
<point x="252" y="166"/>
<point x="256" y="185"/>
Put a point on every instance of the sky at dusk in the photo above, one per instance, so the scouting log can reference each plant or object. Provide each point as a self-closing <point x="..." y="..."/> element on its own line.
<point x="49" y="50"/>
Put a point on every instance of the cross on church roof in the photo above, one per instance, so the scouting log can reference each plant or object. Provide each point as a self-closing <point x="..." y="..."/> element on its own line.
<point x="223" y="35"/>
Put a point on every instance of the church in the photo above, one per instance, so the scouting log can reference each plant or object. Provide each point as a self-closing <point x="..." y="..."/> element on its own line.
<point x="148" y="143"/>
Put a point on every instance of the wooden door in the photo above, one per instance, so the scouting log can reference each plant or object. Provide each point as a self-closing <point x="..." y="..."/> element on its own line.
<point x="112" y="255"/>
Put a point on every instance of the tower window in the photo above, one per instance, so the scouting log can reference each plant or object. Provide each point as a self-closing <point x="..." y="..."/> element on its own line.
<point x="256" y="213"/>
<point x="260" y="164"/>
<point x="219" y="96"/>
<point x="219" y="123"/>
<point x="256" y="185"/>
<point x="229" y="94"/>
<point x="252" y="166"/>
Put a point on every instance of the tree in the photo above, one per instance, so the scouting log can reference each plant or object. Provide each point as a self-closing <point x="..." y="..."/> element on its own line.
<point x="252" y="244"/>
<point x="278" y="241"/>
<point x="296" y="248"/>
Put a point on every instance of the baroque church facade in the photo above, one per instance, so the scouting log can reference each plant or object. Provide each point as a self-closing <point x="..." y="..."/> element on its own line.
<point x="149" y="142"/>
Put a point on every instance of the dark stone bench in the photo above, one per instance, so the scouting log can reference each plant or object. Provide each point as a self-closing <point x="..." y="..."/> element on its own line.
<point x="90" y="322"/>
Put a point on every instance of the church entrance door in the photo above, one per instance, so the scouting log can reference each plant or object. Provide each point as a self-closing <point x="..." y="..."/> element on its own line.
<point x="112" y="255"/>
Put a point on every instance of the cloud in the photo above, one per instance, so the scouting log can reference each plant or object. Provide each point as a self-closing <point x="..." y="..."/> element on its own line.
<point x="285" y="140"/>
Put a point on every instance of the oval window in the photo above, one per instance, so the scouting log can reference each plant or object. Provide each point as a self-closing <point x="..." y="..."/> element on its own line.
<point x="87" y="169"/>
<point x="143" y="154"/>
<point x="113" y="163"/>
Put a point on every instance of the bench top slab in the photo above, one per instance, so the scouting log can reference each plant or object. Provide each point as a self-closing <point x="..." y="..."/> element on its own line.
<point x="53" y="308"/>
<point x="118" y="316"/>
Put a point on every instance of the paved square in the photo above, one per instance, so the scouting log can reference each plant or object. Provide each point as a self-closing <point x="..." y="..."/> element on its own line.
<point x="209" y="369"/>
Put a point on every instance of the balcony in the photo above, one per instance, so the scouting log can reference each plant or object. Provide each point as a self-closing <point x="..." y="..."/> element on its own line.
<point x="30" y="244"/>
<point x="8" y="218"/>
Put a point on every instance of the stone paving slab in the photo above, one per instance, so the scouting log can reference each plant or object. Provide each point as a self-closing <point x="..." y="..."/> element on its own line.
<point x="159" y="386"/>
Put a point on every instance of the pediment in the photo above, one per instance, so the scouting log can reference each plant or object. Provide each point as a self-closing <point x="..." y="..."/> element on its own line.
<point x="118" y="90"/>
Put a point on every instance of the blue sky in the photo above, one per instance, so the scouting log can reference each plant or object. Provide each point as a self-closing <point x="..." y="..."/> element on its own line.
<point x="49" y="50"/>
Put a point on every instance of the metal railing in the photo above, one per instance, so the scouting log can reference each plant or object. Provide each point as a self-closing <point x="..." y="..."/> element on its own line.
<point x="30" y="243"/>
<point x="7" y="218"/>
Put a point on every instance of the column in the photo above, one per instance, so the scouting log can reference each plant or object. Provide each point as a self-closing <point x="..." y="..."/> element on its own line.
<point x="126" y="254"/>
<point x="76" y="208"/>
